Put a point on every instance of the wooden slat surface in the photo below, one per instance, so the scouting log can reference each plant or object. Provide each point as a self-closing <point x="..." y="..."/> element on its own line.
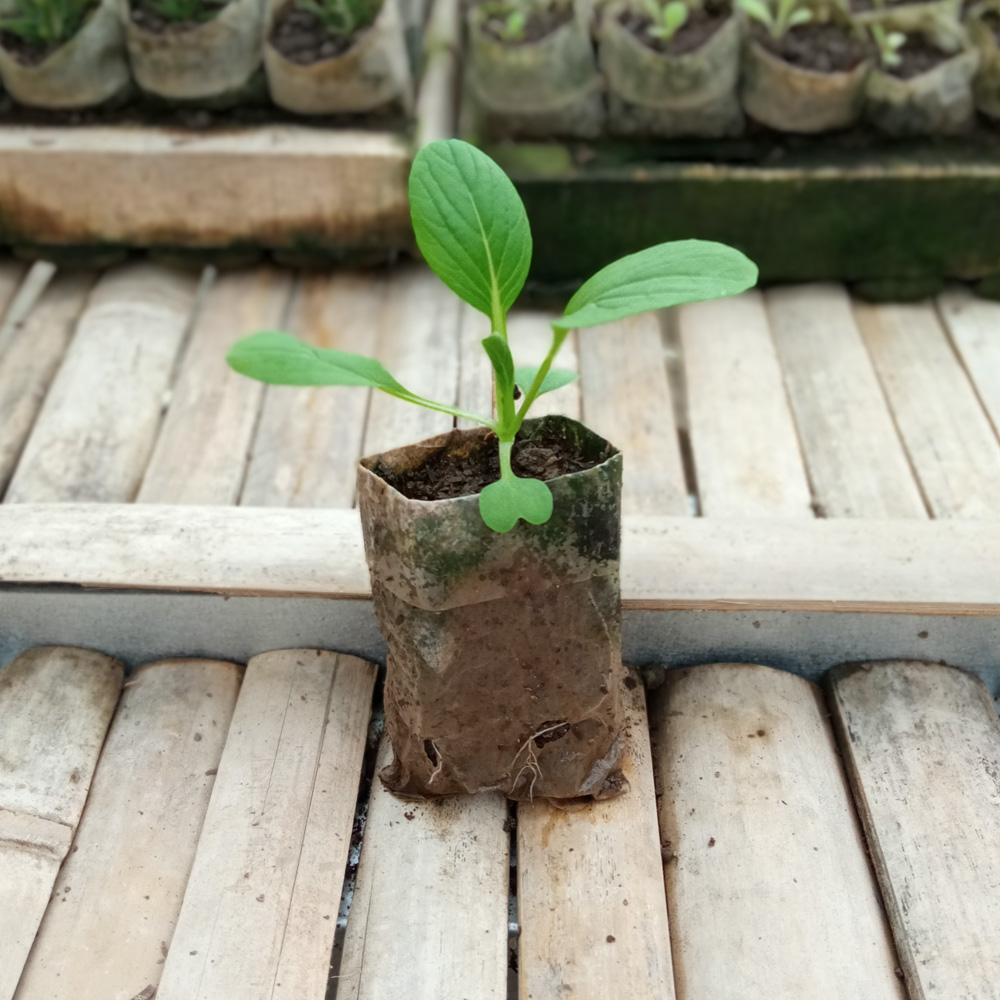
<point x="115" y="905"/>
<point x="201" y="452"/>
<point x="952" y="447"/>
<point x="922" y="744"/>
<point x="856" y="463"/>
<point x="743" y="438"/>
<point x="255" y="888"/>
<point x="768" y="883"/>
<point x="429" y="917"/>
<point x="96" y="429"/>
<point x="626" y="398"/>
<point x="55" y="708"/>
<point x="475" y="376"/>
<point x="308" y="440"/>
<point x="529" y="333"/>
<point x="591" y="904"/>
<point x="29" y="359"/>
<point x="974" y="325"/>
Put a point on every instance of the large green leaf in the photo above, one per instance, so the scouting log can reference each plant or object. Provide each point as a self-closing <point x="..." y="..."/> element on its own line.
<point x="666" y="275"/>
<point x="503" y="364"/>
<point x="555" y="378"/>
<point x="503" y="502"/>
<point x="470" y="225"/>
<point x="281" y="359"/>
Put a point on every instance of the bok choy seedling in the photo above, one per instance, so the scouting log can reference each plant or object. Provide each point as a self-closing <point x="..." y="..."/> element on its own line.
<point x="472" y="229"/>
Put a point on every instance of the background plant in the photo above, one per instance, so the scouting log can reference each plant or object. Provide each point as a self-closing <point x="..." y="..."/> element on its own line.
<point x="888" y="44"/>
<point x="43" y="23"/>
<point x="341" y="18"/>
<point x="508" y="19"/>
<point x="667" y="19"/>
<point x="184" y="11"/>
<point x="780" y="19"/>
<point x="472" y="229"/>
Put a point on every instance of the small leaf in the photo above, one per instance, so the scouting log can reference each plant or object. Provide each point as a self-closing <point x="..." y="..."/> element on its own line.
<point x="510" y="498"/>
<point x="470" y="225"/>
<point x="757" y="10"/>
<point x="666" y="275"/>
<point x="800" y="17"/>
<point x="281" y="359"/>
<point x="555" y="378"/>
<point x="675" y="15"/>
<point x="503" y="364"/>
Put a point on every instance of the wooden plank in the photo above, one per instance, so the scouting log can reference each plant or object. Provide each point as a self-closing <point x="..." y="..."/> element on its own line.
<point x="210" y="403"/>
<point x="856" y="462"/>
<point x="626" y="398"/>
<point x="429" y="917"/>
<point x="922" y="747"/>
<point x="55" y="707"/>
<point x="952" y="447"/>
<point x="33" y="351"/>
<point x="591" y="904"/>
<point x="96" y="429"/>
<point x="117" y="898"/>
<point x="436" y="102"/>
<point x="418" y="343"/>
<point x="475" y="374"/>
<point x="530" y="335"/>
<point x="275" y="186"/>
<point x="12" y="280"/>
<point x="261" y="876"/>
<point x="874" y="567"/>
<point x="973" y="324"/>
<point x="769" y="887"/>
<point x="743" y="438"/>
<point x="308" y="440"/>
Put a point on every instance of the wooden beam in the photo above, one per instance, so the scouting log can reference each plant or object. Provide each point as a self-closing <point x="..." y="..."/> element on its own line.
<point x="876" y="567"/>
<point x="275" y="186"/>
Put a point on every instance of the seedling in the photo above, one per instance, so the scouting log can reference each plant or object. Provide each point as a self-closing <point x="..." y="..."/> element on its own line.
<point x="667" y="20"/>
<point x="780" y="20"/>
<point x="341" y="18"/>
<point x="44" y="23"/>
<point x="509" y="18"/>
<point x="888" y="43"/>
<point x="473" y="231"/>
<point x="184" y="11"/>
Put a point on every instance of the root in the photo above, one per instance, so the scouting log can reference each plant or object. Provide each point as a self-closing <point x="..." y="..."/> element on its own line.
<point x="440" y="764"/>
<point x="531" y="760"/>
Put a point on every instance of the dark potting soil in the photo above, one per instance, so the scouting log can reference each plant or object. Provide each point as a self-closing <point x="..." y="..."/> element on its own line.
<point x="467" y="470"/>
<point x="26" y="53"/>
<point x="918" y="56"/>
<point x="822" y="48"/>
<point x="539" y="24"/>
<point x="149" y="19"/>
<point x="700" y="26"/>
<point x="301" y="37"/>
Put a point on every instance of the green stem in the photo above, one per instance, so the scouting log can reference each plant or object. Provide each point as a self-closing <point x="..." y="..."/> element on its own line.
<point x="506" y="471"/>
<point x="558" y="336"/>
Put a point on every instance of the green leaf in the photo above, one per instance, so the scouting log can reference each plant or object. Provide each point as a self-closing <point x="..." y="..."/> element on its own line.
<point x="757" y="10"/>
<point x="555" y="378"/>
<point x="510" y="498"/>
<point x="281" y="359"/>
<point x="675" y="15"/>
<point x="666" y="275"/>
<point x="503" y="364"/>
<point x="470" y="225"/>
<point x="800" y="17"/>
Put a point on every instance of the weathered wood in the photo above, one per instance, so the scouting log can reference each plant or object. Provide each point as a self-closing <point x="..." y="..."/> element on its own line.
<point x="253" y="882"/>
<point x="55" y="707"/>
<point x="875" y="567"/>
<point x="436" y="110"/>
<point x="12" y="279"/>
<point x="973" y="325"/>
<point x="418" y="343"/>
<point x="530" y="336"/>
<point x="591" y="904"/>
<point x="97" y="427"/>
<point x="475" y="374"/>
<point x="429" y="917"/>
<point x="626" y="398"/>
<point x="33" y="351"/>
<point x="769" y="887"/>
<point x="201" y="452"/>
<point x="117" y="898"/>
<point x="856" y="462"/>
<point x="275" y="186"/>
<point x="952" y="447"/>
<point x="308" y="440"/>
<point x="743" y="439"/>
<point x="922" y="747"/>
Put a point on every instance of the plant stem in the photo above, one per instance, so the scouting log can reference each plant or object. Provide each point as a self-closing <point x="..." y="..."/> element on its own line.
<point x="506" y="471"/>
<point x="558" y="336"/>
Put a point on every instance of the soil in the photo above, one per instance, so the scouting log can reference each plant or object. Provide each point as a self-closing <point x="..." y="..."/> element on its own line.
<point x="26" y="53"/>
<point x="821" y="48"/>
<point x="145" y="17"/>
<point x="457" y="473"/>
<point x="302" y="39"/>
<point x="918" y="56"/>
<point x="863" y="6"/>
<point x="700" y="26"/>
<point x="540" y="24"/>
